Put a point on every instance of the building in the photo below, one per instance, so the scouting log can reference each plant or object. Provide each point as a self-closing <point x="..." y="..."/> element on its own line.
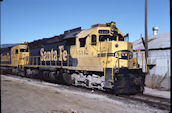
<point x="158" y="59"/>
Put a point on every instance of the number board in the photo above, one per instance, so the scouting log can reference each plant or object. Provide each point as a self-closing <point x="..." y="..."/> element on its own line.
<point x="103" y="31"/>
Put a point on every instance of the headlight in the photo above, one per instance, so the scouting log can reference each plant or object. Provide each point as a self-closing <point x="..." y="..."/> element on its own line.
<point x="116" y="45"/>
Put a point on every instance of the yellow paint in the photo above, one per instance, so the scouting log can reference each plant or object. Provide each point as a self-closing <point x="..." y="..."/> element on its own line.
<point x="19" y="55"/>
<point x="88" y="56"/>
<point x="5" y="58"/>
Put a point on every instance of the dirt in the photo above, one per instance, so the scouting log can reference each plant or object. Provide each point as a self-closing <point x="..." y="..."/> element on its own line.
<point x="25" y="96"/>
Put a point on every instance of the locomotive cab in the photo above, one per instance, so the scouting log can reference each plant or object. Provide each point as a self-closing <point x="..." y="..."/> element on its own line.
<point x="111" y="46"/>
<point x="20" y="55"/>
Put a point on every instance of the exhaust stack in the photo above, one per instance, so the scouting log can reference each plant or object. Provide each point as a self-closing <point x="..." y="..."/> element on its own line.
<point x="155" y="30"/>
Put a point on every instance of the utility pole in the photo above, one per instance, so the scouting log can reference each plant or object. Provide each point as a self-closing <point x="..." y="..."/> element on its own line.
<point x="146" y="35"/>
<point x="146" y="39"/>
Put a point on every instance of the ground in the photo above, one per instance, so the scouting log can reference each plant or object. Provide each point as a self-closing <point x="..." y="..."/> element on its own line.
<point x="27" y="96"/>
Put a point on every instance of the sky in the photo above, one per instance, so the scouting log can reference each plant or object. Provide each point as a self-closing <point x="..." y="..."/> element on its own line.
<point x="29" y="20"/>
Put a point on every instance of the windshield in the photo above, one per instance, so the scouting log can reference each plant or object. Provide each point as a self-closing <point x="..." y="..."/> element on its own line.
<point x="103" y="38"/>
<point x="121" y="38"/>
<point x="23" y="50"/>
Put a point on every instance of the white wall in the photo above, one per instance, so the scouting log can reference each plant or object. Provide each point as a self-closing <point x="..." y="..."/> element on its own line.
<point x="162" y="61"/>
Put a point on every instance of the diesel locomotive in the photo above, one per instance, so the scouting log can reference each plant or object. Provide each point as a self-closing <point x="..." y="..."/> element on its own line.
<point x="100" y="57"/>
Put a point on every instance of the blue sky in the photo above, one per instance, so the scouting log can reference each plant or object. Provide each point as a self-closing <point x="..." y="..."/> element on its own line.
<point x="28" y="20"/>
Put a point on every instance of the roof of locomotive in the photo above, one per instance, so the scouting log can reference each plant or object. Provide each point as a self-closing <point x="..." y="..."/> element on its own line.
<point x="66" y="35"/>
<point x="71" y="33"/>
<point x="6" y="47"/>
<point x="84" y="33"/>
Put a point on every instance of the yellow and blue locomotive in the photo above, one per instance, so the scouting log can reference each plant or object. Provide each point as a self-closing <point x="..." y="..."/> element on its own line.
<point x="100" y="57"/>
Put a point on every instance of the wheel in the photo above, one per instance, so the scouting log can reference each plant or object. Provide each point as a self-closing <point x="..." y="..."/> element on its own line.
<point x="52" y="77"/>
<point x="45" y="76"/>
<point x="88" y="83"/>
<point x="28" y="73"/>
<point x="67" y="78"/>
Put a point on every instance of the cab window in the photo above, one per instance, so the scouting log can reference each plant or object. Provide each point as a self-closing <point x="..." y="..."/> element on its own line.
<point x="16" y="51"/>
<point x="82" y="42"/>
<point x="121" y="38"/>
<point x="93" y="39"/>
<point x="103" y="38"/>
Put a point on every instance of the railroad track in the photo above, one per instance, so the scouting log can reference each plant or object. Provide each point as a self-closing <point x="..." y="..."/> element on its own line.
<point x="153" y="101"/>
